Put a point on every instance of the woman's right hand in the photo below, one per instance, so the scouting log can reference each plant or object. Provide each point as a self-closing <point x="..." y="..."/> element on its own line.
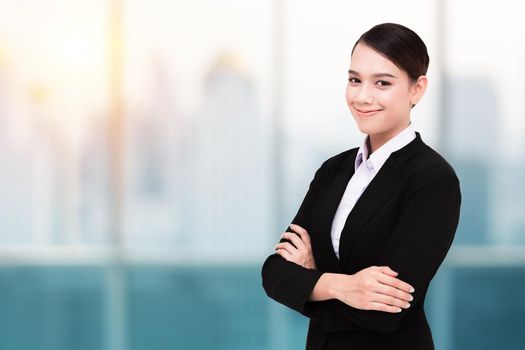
<point x="374" y="288"/>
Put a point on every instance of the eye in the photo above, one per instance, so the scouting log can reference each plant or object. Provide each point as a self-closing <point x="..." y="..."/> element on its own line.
<point x="353" y="80"/>
<point x="383" y="83"/>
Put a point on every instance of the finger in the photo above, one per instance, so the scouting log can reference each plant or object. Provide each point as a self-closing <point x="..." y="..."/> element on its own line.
<point x="394" y="292"/>
<point x="284" y="254"/>
<point x="298" y="229"/>
<point x="286" y="246"/>
<point x="389" y="300"/>
<point x="384" y="307"/>
<point x="387" y="270"/>
<point x="301" y="232"/>
<point x="396" y="283"/>
<point x="296" y="241"/>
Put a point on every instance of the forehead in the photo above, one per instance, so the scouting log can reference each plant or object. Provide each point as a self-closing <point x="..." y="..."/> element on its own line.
<point x="367" y="61"/>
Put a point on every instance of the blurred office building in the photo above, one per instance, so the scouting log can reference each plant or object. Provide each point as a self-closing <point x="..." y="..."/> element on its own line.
<point x="472" y="101"/>
<point x="94" y="178"/>
<point x="228" y="199"/>
<point x="152" y="219"/>
<point x="32" y="159"/>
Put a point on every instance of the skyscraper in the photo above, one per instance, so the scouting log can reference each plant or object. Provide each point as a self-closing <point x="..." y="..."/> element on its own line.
<point x="229" y="196"/>
<point x="152" y="216"/>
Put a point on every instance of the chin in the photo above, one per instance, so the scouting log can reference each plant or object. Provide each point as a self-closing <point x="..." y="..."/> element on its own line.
<point x="366" y="128"/>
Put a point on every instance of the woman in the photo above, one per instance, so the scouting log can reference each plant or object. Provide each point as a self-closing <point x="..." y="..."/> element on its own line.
<point x="378" y="220"/>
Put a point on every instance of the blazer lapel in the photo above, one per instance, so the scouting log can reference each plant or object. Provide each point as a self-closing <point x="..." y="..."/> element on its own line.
<point x="335" y="191"/>
<point x="376" y="194"/>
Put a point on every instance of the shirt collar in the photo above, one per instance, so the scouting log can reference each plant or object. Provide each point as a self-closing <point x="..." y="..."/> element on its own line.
<point x="379" y="157"/>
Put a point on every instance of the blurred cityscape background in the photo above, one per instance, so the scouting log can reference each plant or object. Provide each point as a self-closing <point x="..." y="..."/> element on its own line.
<point x="151" y="153"/>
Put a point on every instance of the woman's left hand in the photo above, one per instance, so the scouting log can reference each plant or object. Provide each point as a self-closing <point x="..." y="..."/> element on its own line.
<point x="301" y="254"/>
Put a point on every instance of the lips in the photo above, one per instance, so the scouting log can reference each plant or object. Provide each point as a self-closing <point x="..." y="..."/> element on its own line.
<point x="367" y="112"/>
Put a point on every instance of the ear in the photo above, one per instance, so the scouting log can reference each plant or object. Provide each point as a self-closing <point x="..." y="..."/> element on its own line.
<point x="418" y="89"/>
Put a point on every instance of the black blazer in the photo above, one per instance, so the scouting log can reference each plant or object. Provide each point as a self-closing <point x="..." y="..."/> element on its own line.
<point x="406" y="219"/>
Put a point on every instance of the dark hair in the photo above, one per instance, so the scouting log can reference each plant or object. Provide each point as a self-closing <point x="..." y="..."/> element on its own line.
<point x="400" y="45"/>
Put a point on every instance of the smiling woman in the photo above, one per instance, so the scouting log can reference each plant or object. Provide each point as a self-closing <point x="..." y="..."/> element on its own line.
<point x="378" y="220"/>
<point x="385" y="83"/>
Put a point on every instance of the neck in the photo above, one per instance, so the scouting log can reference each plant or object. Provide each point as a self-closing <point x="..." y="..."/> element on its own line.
<point x="374" y="141"/>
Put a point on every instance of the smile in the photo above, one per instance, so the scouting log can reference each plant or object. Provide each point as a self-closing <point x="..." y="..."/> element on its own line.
<point x="367" y="113"/>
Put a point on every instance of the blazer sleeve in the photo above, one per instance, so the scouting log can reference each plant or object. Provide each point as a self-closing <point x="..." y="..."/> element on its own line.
<point x="286" y="282"/>
<point x="415" y="249"/>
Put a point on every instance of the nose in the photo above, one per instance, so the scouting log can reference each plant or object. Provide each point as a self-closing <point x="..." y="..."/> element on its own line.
<point x="363" y="95"/>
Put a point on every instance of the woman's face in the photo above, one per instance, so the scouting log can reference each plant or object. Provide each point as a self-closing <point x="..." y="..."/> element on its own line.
<point x="380" y="95"/>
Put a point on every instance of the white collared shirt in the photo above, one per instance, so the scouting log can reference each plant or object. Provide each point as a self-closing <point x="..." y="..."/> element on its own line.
<point x="365" y="170"/>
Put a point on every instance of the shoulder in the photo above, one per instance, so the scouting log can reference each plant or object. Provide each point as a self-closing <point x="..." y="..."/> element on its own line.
<point x="344" y="156"/>
<point x="424" y="165"/>
<point x="339" y="160"/>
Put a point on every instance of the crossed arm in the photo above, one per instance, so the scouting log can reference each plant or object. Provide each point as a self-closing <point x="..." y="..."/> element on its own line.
<point x="375" y="298"/>
<point x="373" y="288"/>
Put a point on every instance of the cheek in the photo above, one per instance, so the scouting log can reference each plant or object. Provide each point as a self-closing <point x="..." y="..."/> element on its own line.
<point x="349" y="94"/>
<point x="394" y="99"/>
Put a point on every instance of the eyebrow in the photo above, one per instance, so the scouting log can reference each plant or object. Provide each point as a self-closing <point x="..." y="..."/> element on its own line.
<point x="376" y="75"/>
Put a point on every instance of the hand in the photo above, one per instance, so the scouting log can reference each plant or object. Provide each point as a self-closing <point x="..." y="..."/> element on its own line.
<point x="374" y="288"/>
<point x="301" y="254"/>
